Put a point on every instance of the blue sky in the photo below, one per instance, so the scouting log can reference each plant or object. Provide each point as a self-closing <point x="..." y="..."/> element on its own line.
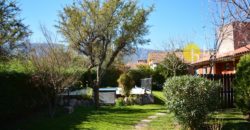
<point x="184" y="19"/>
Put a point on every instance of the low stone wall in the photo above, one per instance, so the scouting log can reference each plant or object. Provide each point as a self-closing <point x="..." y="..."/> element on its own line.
<point x="70" y="102"/>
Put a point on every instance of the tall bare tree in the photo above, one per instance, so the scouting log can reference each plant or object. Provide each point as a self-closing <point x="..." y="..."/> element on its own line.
<point x="229" y="16"/>
<point x="239" y="10"/>
<point x="173" y="63"/>
<point x="55" y="69"/>
<point x="223" y="30"/>
<point x="102" y="30"/>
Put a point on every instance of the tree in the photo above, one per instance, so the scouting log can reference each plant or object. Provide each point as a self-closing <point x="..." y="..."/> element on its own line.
<point x="126" y="82"/>
<point x="13" y="32"/>
<point x="228" y="14"/>
<point x="222" y="30"/>
<point x="238" y="9"/>
<point x="101" y="30"/>
<point x="172" y="65"/>
<point x="241" y="85"/>
<point x="55" y="68"/>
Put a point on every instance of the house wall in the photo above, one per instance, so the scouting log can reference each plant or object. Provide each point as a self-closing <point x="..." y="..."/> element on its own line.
<point x="204" y="69"/>
<point x="228" y="67"/>
<point x="241" y="34"/>
<point x="226" y="37"/>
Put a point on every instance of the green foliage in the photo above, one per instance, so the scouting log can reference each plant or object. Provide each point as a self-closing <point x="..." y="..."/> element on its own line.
<point x="13" y="32"/>
<point x="157" y="79"/>
<point x="19" y="96"/>
<point x="146" y="72"/>
<point x="126" y="82"/>
<point x="191" y="99"/>
<point x="242" y="84"/>
<point x="110" y="77"/>
<point x="103" y="30"/>
<point x="119" y="102"/>
<point x="172" y="66"/>
<point x="16" y="65"/>
<point x="89" y="93"/>
<point x="140" y="73"/>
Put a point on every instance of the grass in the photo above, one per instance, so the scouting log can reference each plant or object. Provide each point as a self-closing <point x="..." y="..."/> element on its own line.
<point x="105" y="118"/>
<point x="166" y="122"/>
<point x="159" y="97"/>
<point x="230" y="119"/>
<point x="124" y="118"/>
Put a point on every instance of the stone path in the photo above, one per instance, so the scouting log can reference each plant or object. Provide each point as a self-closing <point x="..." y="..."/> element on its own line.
<point x="143" y="124"/>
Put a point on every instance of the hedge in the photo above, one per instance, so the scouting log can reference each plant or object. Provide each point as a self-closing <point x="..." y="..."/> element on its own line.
<point x="18" y="96"/>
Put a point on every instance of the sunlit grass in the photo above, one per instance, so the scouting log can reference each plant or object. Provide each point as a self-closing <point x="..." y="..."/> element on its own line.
<point x="105" y="118"/>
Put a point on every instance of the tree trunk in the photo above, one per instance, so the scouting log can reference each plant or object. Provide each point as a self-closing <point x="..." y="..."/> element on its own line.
<point x="96" y="87"/>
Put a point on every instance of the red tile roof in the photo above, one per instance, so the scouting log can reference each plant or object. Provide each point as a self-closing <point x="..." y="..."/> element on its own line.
<point x="237" y="52"/>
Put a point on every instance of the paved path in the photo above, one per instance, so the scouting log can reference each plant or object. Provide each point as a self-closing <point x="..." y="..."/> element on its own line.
<point x="143" y="124"/>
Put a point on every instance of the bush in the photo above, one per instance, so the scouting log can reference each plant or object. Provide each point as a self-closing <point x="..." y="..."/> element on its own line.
<point x="19" y="96"/>
<point x="126" y="82"/>
<point x="242" y="84"/>
<point x="191" y="99"/>
<point x="110" y="77"/>
<point x="140" y="73"/>
<point x="119" y="102"/>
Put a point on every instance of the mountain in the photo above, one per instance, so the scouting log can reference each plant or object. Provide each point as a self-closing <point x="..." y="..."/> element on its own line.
<point x="140" y="54"/>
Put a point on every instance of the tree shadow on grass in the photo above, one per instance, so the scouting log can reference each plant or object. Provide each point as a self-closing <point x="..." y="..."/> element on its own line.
<point x="236" y="126"/>
<point x="85" y="118"/>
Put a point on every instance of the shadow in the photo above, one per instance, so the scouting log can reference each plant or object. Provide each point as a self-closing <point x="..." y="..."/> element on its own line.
<point x="229" y="119"/>
<point x="85" y="118"/>
<point x="236" y="126"/>
<point x="159" y="101"/>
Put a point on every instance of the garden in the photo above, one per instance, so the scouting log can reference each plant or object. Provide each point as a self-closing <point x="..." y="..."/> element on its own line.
<point x="56" y="86"/>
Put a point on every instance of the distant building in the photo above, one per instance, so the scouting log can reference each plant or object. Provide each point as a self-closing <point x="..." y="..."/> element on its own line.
<point x="156" y="58"/>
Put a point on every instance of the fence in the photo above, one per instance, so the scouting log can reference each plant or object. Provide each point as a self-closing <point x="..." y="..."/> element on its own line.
<point x="227" y="91"/>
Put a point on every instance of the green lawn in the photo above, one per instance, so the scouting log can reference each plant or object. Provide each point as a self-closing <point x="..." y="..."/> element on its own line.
<point x="230" y="119"/>
<point x="124" y="118"/>
<point x="163" y="123"/>
<point x="106" y="118"/>
<point x="159" y="97"/>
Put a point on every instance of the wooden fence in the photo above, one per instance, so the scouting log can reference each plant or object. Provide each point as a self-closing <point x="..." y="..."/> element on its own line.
<point x="227" y="91"/>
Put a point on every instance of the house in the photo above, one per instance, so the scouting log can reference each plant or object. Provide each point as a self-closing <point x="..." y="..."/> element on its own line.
<point x="234" y="44"/>
<point x="155" y="58"/>
<point x="135" y="65"/>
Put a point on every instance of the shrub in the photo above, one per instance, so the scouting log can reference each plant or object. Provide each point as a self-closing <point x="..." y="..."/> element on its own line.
<point x="119" y="102"/>
<point x="19" y="96"/>
<point x="126" y="82"/>
<point x="191" y="99"/>
<point x="242" y="84"/>
<point x="110" y="77"/>
<point x="89" y="93"/>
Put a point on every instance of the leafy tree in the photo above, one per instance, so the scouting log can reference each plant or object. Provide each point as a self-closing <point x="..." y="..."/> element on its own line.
<point x="157" y="78"/>
<point x="141" y="72"/>
<point x="126" y="82"/>
<point x="172" y="65"/>
<point x="191" y="99"/>
<point x="242" y="86"/>
<point x="13" y="32"/>
<point x="102" y="30"/>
